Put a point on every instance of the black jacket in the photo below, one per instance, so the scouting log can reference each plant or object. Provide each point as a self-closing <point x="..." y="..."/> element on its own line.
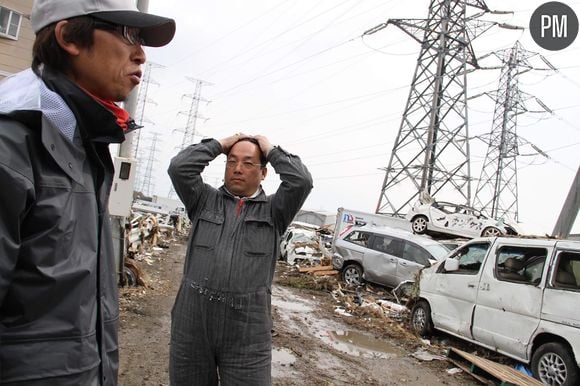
<point x="58" y="279"/>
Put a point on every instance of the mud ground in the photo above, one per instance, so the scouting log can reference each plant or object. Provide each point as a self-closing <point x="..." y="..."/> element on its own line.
<point x="312" y="343"/>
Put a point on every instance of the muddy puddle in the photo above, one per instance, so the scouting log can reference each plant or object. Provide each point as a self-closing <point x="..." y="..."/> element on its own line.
<point x="360" y="344"/>
<point x="282" y="361"/>
<point x="297" y="315"/>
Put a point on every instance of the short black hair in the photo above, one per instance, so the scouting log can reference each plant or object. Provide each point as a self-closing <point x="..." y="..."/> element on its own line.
<point x="263" y="160"/>
<point x="46" y="50"/>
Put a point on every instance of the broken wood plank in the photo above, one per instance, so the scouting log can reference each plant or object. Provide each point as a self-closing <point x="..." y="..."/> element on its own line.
<point x="317" y="268"/>
<point x="466" y="369"/>
<point x="505" y="374"/>
<point x="325" y="273"/>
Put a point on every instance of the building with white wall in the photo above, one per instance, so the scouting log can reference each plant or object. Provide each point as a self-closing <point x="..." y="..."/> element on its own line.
<point x="16" y="36"/>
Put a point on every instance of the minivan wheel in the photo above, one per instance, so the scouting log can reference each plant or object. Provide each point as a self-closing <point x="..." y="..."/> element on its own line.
<point x="419" y="224"/>
<point x="421" y="318"/>
<point x="554" y="364"/>
<point x="352" y="274"/>
<point x="491" y="232"/>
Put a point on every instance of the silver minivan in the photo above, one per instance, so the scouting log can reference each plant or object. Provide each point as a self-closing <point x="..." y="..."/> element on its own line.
<point x="383" y="255"/>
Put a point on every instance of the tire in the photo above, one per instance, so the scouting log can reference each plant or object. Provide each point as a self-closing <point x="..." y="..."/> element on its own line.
<point x="421" y="321"/>
<point x="491" y="232"/>
<point x="419" y="224"/>
<point x="130" y="279"/>
<point x="553" y="364"/>
<point x="352" y="274"/>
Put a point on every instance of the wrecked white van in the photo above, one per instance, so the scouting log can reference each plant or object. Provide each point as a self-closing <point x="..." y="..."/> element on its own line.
<point x="519" y="297"/>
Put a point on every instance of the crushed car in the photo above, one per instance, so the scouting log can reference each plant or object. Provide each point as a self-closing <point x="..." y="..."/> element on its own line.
<point x="515" y="296"/>
<point x="429" y="217"/>
<point x="383" y="255"/>
<point x="299" y="244"/>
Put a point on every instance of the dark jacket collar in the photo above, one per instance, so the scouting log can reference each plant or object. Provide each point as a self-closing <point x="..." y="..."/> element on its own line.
<point x="260" y="197"/>
<point x="94" y="121"/>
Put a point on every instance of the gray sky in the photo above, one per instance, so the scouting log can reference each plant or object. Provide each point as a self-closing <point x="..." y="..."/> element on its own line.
<point x="299" y="72"/>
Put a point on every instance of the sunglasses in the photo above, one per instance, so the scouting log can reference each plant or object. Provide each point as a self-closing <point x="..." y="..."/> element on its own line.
<point x="129" y="35"/>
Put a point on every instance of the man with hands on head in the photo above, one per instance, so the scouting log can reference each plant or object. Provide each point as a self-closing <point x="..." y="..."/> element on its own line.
<point x="221" y="320"/>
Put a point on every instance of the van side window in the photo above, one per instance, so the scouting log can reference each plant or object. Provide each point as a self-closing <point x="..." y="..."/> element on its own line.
<point x="415" y="253"/>
<point x="520" y="264"/>
<point x="387" y="245"/>
<point x="470" y="258"/>
<point x="357" y="237"/>
<point x="567" y="272"/>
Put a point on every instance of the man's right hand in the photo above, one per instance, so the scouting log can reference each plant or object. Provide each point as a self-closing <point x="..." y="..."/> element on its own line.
<point x="228" y="142"/>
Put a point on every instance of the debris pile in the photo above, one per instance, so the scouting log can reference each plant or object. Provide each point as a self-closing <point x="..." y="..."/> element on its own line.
<point x="305" y="244"/>
<point x="146" y="236"/>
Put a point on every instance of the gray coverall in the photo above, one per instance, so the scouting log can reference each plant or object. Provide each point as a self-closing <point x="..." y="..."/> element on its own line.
<point x="222" y="313"/>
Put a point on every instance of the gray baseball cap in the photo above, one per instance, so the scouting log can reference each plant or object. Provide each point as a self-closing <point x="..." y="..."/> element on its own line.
<point x="156" y="31"/>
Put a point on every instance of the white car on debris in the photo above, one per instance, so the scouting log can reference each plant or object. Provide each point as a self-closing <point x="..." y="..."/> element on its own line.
<point x="456" y="220"/>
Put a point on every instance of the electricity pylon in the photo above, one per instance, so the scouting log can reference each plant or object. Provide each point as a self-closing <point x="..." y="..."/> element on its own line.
<point x="193" y="113"/>
<point x="142" y="100"/>
<point x="192" y="117"/>
<point x="431" y="151"/>
<point x="148" y="185"/>
<point x="497" y="190"/>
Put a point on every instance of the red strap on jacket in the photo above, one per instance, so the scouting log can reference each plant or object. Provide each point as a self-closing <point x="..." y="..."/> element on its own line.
<point x="239" y="207"/>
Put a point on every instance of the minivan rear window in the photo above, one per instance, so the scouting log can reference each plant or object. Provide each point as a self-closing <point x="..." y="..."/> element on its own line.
<point x="520" y="264"/>
<point x="388" y="245"/>
<point x="567" y="271"/>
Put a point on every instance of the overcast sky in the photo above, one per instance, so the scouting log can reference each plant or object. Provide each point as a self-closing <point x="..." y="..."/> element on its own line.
<point x="299" y="72"/>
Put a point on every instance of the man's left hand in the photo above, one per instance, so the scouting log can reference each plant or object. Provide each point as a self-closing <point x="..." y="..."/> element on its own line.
<point x="264" y="143"/>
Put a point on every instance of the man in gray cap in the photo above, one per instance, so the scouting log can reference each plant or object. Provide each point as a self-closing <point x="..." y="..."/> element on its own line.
<point x="58" y="279"/>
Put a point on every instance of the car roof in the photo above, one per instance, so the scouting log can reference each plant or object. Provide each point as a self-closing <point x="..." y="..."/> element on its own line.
<point x="532" y="240"/>
<point x="401" y="233"/>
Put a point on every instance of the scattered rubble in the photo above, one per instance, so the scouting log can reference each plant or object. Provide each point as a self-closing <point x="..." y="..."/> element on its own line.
<point x="383" y="313"/>
<point x="300" y="357"/>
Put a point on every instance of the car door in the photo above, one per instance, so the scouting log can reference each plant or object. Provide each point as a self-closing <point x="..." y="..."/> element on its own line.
<point x="414" y="258"/>
<point x="562" y="293"/>
<point x="461" y="220"/>
<point x="438" y="217"/>
<point x="510" y="298"/>
<point x="473" y="222"/>
<point x="452" y="295"/>
<point x="381" y="259"/>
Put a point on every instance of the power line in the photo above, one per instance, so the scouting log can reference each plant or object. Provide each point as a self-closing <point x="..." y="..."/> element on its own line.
<point x="214" y="67"/>
<point x="227" y="34"/>
<point x="228" y="91"/>
<point x="313" y="107"/>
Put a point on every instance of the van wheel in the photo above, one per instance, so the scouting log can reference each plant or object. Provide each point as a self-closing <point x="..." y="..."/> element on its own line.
<point x="352" y="274"/>
<point x="491" y="232"/>
<point x="421" y="318"/>
<point x="419" y="224"/>
<point x="554" y="364"/>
